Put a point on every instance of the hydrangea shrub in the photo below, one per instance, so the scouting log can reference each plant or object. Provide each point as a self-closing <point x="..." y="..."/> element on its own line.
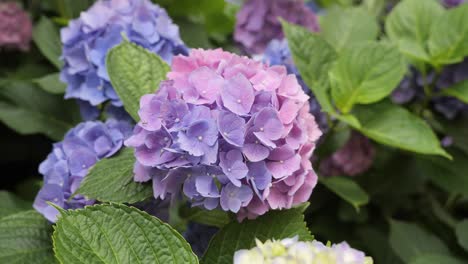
<point x="15" y="27"/>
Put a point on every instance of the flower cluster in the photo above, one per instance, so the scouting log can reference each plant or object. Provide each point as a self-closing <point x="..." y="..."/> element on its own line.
<point x="353" y="158"/>
<point x="15" y="27"/>
<point x="229" y="131"/>
<point x="453" y="3"/>
<point x="257" y="21"/>
<point x="87" y="40"/>
<point x="292" y="251"/>
<point x="70" y="160"/>
<point x="411" y="89"/>
<point x="278" y="53"/>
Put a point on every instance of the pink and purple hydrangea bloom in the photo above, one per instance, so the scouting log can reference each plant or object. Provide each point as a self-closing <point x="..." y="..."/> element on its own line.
<point x="230" y="132"/>
<point x="15" y="27"/>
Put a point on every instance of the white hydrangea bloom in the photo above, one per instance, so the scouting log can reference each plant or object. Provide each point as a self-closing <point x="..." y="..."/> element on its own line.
<point x="292" y="251"/>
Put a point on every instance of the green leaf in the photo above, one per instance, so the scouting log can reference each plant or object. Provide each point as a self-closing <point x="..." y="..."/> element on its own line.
<point x="11" y="204"/>
<point x="377" y="245"/>
<point x="435" y="259"/>
<point x="461" y="230"/>
<point x="410" y="241"/>
<point x="409" y="25"/>
<point x="395" y="126"/>
<point x="51" y="83"/>
<point x="28" y="110"/>
<point x="449" y="175"/>
<point x="313" y="57"/>
<point x="342" y="27"/>
<point x="365" y="73"/>
<point x="111" y="180"/>
<point x="459" y="91"/>
<point x="235" y="236"/>
<point x="215" y="217"/>
<point x="72" y="8"/>
<point x="347" y="189"/>
<point x="448" y="42"/>
<point x="117" y="234"/>
<point x="47" y="39"/>
<point x="25" y="238"/>
<point x="134" y="72"/>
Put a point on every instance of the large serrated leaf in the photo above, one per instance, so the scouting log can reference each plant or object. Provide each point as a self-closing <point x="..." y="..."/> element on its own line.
<point x="365" y="73"/>
<point x="395" y="126"/>
<point x="28" y="110"/>
<point x="347" y="189"/>
<point x="51" y="83"/>
<point x="47" y="39"/>
<point x="25" y="238"/>
<point x="459" y="91"/>
<point x="214" y="217"/>
<point x="410" y="241"/>
<point x="313" y="57"/>
<point x="235" y="236"/>
<point x="10" y="204"/>
<point x="111" y="180"/>
<point x="461" y="230"/>
<point x="117" y="234"/>
<point x="134" y="72"/>
<point x="342" y="27"/>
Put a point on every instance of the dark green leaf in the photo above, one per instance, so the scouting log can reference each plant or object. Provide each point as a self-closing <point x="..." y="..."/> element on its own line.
<point x="10" y="204"/>
<point x="347" y="189"/>
<point x="378" y="246"/>
<point x="47" y="39"/>
<point x="134" y="72"/>
<point x="459" y="91"/>
<point x="461" y="230"/>
<point x="235" y="236"/>
<point x="342" y="27"/>
<point x="51" y="83"/>
<point x="117" y="234"/>
<point x="313" y="57"/>
<point x="111" y="180"/>
<point x="410" y="241"/>
<point x="25" y="238"/>
<point x="28" y="110"/>
<point x="215" y="217"/>
<point x="436" y="259"/>
<point x="365" y="73"/>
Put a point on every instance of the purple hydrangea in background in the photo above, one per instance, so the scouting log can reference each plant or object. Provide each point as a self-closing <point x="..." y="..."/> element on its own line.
<point x="453" y="3"/>
<point x="352" y="159"/>
<point x="15" y="27"/>
<point x="87" y="40"/>
<point x="199" y="236"/>
<point x="70" y="160"/>
<point x="229" y="132"/>
<point x="278" y="53"/>
<point x="257" y="21"/>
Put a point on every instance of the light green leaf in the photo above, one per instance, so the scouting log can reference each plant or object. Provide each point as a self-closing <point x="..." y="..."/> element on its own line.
<point x="461" y="230"/>
<point x="410" y="241"/>
<point x="47" y="39"/>
<point x="25" y="238"/>
<point x="215" y="217"/>
<point x="435" y="259"/>
<point x="117" y="234"/>
<point x="459" y="91"/>
<point x="10" y="204"/>
<point x="235" y="236"/>
<point x="342" y="27"/>
<point x="449" y="175"/>
<point x="51" y="83"/>
<point x="448" y="42"/>
<point x="365" y="73"/>
<point x="395" y="126"/>
<point x="111" y="180"/>
<point x="409" y="25"/>
<point x="134" y="72"/>
<point x="374" y="7"/>
<point x="313" y="57"/>
<point x="347" y="189"/>
<point x="28" y="110"/>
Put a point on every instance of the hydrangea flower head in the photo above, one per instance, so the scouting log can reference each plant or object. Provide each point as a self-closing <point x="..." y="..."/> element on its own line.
<point x="231" y="132"/>
<point x="70" y="160"/>
<point x="87" y="40"/>
<point x="278" y="53"/>
<point x="292" y="251"/>
<point x="15" y="27"/>
<point x="353" y="158"/>
<point x="257" y="21"/>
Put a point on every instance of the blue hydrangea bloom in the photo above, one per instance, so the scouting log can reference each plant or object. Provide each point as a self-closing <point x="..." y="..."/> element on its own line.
<point x="278" y="53"/>
<point x="87" y="40"/>
<point x="70" y="160"/>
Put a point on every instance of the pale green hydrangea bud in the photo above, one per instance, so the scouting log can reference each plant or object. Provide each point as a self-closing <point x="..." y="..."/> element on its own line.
<point x="292" y="251"/>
